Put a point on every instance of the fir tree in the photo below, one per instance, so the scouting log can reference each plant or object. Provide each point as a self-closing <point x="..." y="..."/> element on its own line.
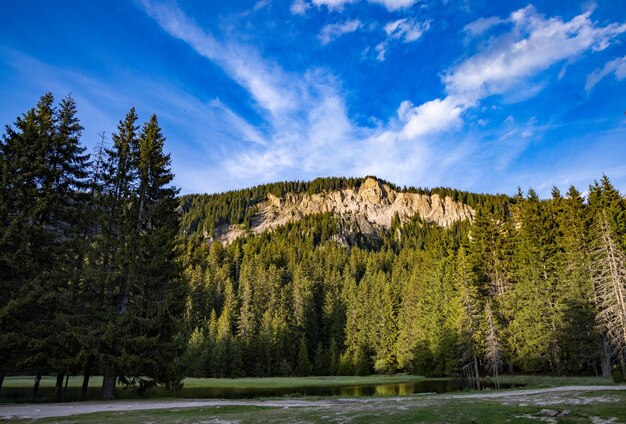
<point x="43" y="176"/>
<point x="143" y="289"/>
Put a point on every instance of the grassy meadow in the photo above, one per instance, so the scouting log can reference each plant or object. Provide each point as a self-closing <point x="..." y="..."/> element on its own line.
<point x="598" y="407"/>
<point x="19" y="389"/>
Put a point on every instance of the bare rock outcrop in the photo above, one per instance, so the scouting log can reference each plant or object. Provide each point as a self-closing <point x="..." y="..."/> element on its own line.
<point x="372" y="207"/>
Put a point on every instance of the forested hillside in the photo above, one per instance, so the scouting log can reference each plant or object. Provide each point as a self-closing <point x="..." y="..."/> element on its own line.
<point x="529" y="286"/>
<point x="205" y="212"/>
<point x="106" y="271"/>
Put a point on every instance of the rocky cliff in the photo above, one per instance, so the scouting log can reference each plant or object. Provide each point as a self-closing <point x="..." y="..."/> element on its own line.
<point x="372" y="207"/>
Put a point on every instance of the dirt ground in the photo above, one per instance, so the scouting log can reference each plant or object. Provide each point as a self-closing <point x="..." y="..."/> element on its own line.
<point x="567" y="395"/>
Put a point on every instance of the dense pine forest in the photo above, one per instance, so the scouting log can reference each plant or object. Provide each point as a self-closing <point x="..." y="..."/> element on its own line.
<point x="531" y="285"/>
<point x="105" y="270"/>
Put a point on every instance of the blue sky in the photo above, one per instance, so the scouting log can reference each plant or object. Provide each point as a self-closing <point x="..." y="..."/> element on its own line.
<point x="479" y="95"/>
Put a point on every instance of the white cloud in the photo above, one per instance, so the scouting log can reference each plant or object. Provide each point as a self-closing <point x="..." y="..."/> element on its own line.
<point x="333" y="4"/>
<point x="394" y="4"/>
<point x="381" y="49"/>
<point x="430" y="118"/>
<point x="306" y="127"/>
<point x="481" y="25"/>
<point x="534" y="44"/>
<point x="407" y="30"/>
<point x="299" y="7"/>
<point x="332" y="31"/>
<point x="617" y="67"/>
<point x="264" y="80"/>
<point x="402" y="30"/>
<point x="304" y="115"/>
<point x="260" y="4"/>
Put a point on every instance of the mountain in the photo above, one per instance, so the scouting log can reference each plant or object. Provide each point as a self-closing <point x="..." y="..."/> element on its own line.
<point x="353" y="276"/>
<point x="367" y="208"/>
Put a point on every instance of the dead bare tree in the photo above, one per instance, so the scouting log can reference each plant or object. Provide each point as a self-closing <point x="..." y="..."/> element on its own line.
<point x="493" y="348"/>
<point x="609" y="279"/>
<point x="469" y="356"/>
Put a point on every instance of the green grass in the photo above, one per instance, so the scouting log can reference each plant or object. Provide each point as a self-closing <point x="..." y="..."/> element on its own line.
<point x="47" y="381"/>
<point x="237" y="383"/>
<point x="19" y="389"/>
<point x="290" y="382"/>
<point x="411" y="410"/>
<point x="541" y="381"/>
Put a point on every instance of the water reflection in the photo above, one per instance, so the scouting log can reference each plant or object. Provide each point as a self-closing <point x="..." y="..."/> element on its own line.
<point x="395" y="389"/>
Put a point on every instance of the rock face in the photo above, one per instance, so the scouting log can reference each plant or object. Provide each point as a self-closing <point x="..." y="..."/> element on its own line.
<point x="372" y="207"/>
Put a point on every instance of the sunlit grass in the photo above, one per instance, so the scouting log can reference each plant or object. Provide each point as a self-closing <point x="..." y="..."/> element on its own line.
<point x="531" y="381"/>
<point x="286" y="382"/>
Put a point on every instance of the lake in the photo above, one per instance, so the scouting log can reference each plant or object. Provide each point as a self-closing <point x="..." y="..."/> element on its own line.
<point x="392" y="389"/>
<point x="386" y="389"/>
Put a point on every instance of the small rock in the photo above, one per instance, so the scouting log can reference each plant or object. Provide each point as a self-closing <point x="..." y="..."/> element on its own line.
<point x="549" y="412"/>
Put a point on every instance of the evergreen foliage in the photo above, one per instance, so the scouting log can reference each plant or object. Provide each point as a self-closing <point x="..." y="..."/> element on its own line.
<point x="206" y="212"/>
<point x="90" y="278"/>
<point x="512" y="291"/>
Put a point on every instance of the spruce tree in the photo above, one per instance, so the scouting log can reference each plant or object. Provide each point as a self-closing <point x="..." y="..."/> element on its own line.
<point x="578" y="336"/>
<point x="117" y="245"/>
<point x="531" y="305"/>
<point x="43" y="171"/>
<point x="143" y="288"/>
<point x="303" y="366"/>
<point x="158" y="288"/>
<point x="466" y="323"/>
<point x="18" y="197"/>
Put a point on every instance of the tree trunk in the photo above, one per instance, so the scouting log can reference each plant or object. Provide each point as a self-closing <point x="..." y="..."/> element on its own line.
<point x="476" y="372"/>
<point x="58" y="389"/>
<point x="605" y="359"/>
<point x="36" y="386"/>
<point x="86" y="375"/>
<point x="108" y="382"/>
<point x="2" y="374"/>
<point x="67" y="381"/>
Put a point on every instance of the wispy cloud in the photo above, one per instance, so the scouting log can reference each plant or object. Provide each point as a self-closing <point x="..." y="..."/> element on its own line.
<point x="617" y="67"/>
<point x="533" y="44"/>
<point x="482" y="25"/>
<point x="333" y="4"/>
<point x="305" y="114"/>
<point x="187" y="121"/>
<point x="300" y="7"/>
<point x="331" y="32"/>
<point x="404" y="30"/>
<point x="392" y="5"/>
<point x="407" y="30"/>
<point x="381" y="51"/>
<point x="308" y="130"/>
<point x="263" y="79"/>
